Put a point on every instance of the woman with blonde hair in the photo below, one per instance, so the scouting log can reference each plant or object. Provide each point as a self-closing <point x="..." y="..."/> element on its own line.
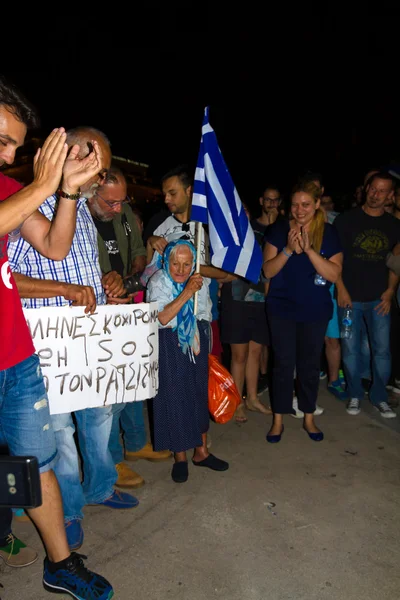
<point x="300" y="257"/>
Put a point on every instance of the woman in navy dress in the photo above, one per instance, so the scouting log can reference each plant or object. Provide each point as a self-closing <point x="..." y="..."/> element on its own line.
<point x="301" y="257"/>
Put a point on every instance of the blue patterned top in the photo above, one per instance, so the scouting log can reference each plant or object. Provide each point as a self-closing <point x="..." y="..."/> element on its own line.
<point x="81" y="266"/>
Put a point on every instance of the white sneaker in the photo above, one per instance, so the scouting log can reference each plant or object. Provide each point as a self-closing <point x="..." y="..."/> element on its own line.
<point x="298" y="414"/>
<point x="353" y="406"/>
<point x="394" y="388"/>
<point x="385" y="410"/>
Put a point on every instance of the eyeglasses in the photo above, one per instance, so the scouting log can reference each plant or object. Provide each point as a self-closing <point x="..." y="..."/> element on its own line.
<point x="271" y="199"/>
<point x="116" y="203"/>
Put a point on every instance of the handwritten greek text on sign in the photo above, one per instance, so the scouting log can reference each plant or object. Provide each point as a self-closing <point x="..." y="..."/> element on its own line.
<point x="95" y="360"/>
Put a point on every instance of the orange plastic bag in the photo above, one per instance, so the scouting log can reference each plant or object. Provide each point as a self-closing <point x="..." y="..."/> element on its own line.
<point x="223" y="395"/>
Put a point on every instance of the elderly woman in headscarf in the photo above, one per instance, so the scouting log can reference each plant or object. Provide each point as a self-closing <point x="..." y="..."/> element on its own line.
<point x="180" y="409"/>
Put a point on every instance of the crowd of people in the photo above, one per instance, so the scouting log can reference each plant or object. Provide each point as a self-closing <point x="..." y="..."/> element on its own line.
<point x="73" y="237"/>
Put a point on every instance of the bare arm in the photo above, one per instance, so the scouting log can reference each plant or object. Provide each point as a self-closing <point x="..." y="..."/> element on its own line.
<point x="80" y="295"/>
<point x="171" y="310"/>
<point x="48" y="164"/>
<point x="328" y="269"/>
<point x="393" y="281"/>
<point x="343" y="298"/>
<point x="216" y="273"/>
<point x="155" y="242"/>
<point x="393" y="260"/>
<point x="273" y="262"/>
<point x="383" y="307"/>
<point x="53" y="239"/>
<point x="18" y="207"/>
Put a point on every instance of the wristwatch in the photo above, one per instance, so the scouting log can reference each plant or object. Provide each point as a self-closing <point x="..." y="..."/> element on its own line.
<point x="63" y="194"/>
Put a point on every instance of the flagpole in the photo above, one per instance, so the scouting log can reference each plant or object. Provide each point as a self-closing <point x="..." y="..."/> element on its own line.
<point x="199" y="235"/>
<point x="233" y="246"/>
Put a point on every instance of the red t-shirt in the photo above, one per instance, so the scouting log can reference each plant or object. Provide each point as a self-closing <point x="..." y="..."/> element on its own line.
<point x="16" y="343"/>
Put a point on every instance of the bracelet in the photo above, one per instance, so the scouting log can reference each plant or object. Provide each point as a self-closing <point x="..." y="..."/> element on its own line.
<point x="286" y="254"/>
<point x="69" y="196"/>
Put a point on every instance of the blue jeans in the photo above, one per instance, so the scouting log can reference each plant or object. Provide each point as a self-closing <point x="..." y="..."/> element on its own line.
<point x="25" y="423"/>
<point x="365" y="353"/>
<point x="378" y="328"/>
<point x="128" y="416"/>
<point x="100" y="475"/>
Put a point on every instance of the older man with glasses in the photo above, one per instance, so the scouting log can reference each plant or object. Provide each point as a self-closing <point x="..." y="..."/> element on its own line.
<point x="121" y="250"/>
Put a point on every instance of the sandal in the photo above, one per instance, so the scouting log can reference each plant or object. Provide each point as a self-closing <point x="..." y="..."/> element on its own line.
<point x="240" y="416"/>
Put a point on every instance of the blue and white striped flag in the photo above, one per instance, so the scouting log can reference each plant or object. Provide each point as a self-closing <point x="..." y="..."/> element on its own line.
<point x="216" y="202"/>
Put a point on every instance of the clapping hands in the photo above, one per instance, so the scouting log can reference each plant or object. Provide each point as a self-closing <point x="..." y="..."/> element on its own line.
<point x="298" y="241"/>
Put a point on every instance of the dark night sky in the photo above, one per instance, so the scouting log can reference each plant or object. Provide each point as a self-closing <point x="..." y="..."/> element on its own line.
<point x="306" y="88"/>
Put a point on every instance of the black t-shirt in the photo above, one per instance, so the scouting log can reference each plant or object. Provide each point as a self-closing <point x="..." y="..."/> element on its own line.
<point x="259" y="231"/>
<point x="366" y="242"/>
<point x="107" y="233"/>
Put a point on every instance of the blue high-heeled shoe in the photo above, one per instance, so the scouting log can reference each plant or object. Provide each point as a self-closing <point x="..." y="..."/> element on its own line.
<point x="274" y="439"/>
<point x="315" y="437"/>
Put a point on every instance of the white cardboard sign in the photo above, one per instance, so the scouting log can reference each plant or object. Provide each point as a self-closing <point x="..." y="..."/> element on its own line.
<point x="96" y="360"/>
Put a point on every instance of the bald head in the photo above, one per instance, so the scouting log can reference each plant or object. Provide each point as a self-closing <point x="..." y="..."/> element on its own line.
<point x="84" y="137"/>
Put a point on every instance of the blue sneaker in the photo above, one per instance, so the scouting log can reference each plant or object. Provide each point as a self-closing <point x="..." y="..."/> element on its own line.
<point x="74" y="531"/>
<point x="75" y="579"/>
<point x="119" y="500"/>
<point x="336" y="389"/>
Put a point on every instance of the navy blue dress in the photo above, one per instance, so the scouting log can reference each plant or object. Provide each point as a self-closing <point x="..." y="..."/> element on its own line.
<point x="180" y="408"/>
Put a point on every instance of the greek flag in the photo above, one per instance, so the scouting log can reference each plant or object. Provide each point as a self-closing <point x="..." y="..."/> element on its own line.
<point x="216" y="202"/>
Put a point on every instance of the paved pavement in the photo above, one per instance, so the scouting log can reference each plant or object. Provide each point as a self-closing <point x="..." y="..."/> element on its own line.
<point x="298" y="520"/>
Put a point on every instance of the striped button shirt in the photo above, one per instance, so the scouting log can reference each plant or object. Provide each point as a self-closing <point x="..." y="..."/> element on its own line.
<point x="81" y="265"/>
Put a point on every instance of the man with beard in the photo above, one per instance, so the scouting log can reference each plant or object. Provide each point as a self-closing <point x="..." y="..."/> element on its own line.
<point x="121" y="250"/>
<point x="367" y="234"/>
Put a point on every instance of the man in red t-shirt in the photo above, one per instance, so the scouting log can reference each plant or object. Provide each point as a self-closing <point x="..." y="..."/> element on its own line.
<point x="24" y="412"/>
<point x="12" y="551"/>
